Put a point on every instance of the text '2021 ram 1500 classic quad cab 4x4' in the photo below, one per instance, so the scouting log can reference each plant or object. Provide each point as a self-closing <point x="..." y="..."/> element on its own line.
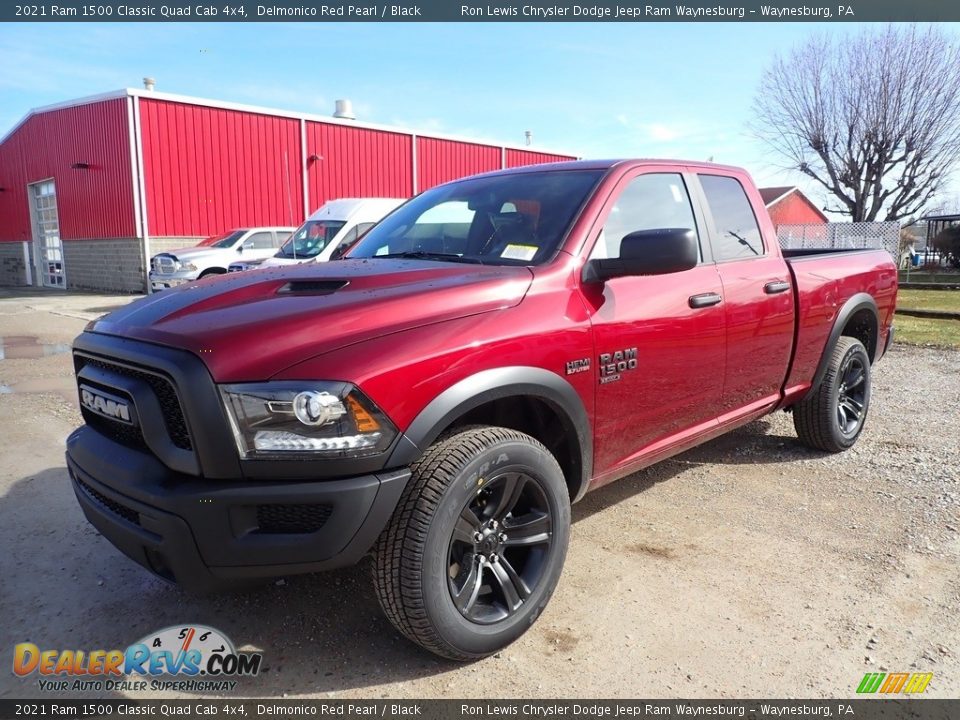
<point x="490" y="352"/>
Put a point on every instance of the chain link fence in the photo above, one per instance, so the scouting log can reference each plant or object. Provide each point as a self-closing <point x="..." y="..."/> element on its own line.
<point x="850" y="236"/>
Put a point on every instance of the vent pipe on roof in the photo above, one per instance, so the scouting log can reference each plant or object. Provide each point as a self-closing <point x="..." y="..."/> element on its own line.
<point x="344" y="110"/>
<point x="528" y="135"/>
<point x="149" y="83"/>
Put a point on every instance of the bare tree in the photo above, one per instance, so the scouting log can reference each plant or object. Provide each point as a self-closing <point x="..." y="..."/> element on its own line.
<point x="874" y="119"/>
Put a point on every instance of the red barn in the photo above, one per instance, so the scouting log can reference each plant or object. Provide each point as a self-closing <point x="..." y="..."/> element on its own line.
<point x="788" y="206"/>
<point x="91" y="188"/>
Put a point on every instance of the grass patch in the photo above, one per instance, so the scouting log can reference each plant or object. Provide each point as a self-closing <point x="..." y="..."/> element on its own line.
<point x="929" y="300"/>
<point x="926" y="331"/>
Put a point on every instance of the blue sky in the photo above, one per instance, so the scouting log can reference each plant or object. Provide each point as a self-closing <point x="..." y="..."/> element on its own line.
<point x="597" y="90"/>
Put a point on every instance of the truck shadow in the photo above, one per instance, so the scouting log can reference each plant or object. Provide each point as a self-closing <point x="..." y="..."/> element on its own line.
<point x="65" y="586"/>
<point x="752" y="444"/>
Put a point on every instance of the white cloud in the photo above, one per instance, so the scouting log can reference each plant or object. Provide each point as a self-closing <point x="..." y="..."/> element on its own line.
<point x="662" y="133"/>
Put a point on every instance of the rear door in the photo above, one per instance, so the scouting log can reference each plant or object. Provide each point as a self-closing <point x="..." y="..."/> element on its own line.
<point x="659" y="338"/>
<point x="758" y="295"/>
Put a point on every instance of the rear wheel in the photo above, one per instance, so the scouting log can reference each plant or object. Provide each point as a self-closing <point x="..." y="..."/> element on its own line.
<point x="477" y="543"/>
<point x="832" y="417"/>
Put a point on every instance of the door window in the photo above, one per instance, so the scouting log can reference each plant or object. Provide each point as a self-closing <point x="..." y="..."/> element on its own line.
<point x="259" y="241"/>
<point x="46" y="223"/>
<point x="737" y="233"/>
<point x="648" y="202"/>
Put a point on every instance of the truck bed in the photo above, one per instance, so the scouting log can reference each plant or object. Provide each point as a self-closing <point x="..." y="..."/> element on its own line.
<point x="825" y="279"/>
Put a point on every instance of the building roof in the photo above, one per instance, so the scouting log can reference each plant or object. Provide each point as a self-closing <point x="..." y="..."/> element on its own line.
<point x="931" y="218"/>
<point x="261" y="110"/>
<point x="771" y="194"/>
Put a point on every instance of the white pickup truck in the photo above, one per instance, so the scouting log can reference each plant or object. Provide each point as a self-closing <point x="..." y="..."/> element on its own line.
<point x="214" y="255"/>
<point x="327" y="233"/>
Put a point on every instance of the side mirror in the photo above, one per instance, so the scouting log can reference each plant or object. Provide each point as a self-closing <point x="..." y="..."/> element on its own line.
<point x="648" y="252"/>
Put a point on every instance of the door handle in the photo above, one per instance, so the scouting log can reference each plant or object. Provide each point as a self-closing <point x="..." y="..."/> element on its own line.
<point x="704" y="300"/>
<point x="776" y="286"/>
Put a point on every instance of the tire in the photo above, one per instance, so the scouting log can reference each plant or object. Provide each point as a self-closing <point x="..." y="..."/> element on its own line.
<point x="454" y="534"/>
<point x="211" y="271"/>
<point x="832" y="417"/>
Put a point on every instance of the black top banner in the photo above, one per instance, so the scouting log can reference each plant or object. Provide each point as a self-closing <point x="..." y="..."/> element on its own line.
<point x="916" y="709"/>
<point x="473" y="11"/>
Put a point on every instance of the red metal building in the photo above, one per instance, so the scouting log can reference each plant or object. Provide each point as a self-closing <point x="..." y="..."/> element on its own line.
<point x="90" y="188"/>
<point x="787" y="205"/>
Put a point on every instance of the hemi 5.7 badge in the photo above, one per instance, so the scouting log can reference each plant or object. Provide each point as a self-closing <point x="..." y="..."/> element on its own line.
<point x="612" y="365"/>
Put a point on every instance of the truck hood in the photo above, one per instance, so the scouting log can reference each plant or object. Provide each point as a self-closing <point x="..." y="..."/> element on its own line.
<point x="276" y="261"/>
<point x="251" y="326"/>
<point x="191" y="254"/>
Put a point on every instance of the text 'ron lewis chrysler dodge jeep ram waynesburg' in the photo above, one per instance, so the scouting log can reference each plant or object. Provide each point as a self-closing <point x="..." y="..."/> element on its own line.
<point x="491" y="351"/>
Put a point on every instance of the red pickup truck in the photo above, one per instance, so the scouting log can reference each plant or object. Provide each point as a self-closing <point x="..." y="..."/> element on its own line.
<point x="490" y="352"/>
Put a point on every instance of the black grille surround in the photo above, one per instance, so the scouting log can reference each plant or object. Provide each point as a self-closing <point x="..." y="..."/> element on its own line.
<point x="173" y="416"/>
<point x="289" y="519"/>
<point x="128" y="514"/>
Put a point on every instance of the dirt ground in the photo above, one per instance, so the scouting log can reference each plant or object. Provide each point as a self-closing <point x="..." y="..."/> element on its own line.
<point x="747" y="567"/>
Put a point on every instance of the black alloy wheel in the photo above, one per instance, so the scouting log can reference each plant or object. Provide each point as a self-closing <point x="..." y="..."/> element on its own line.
<point x="851" y="397"/>
<point x="831" y="417"/>
<point x="476" y="545"/>
<point x="498" y="548"/>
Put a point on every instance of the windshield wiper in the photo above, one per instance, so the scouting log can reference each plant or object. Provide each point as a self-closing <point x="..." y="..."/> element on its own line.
<point x="423" y="255"/>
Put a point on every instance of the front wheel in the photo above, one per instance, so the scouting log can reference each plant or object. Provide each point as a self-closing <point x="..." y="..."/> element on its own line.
<point x="476" y="545"/>
<point x="832" y="417"/>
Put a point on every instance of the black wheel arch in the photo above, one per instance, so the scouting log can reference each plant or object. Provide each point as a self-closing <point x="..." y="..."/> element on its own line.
<point x="858" y="318"/>
<point x="486" y="387"/>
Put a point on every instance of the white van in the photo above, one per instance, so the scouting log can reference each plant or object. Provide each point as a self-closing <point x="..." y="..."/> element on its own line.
<point x="328" y="232"/>
<point x="214" y="255"/>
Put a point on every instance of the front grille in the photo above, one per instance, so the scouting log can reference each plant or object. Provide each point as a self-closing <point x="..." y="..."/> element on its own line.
<point x="278" y="519"/>
<point x="164" y="265"/>
<point x="120" y="432"/>
<point x="113" y="506"/>
<point x="162" y="388"/>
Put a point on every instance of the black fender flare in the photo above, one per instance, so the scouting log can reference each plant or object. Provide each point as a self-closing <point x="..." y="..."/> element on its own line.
<point x="494" y="384"/>
<point x="860" y="301"/>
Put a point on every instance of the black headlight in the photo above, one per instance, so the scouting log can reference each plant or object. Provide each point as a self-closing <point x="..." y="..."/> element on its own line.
<point x="318" y="419"/>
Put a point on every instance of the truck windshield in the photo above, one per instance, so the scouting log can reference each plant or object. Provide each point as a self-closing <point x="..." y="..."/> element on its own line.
<point x="310" y="239"/>
<point x="500" y="220"/>
<point x="227" y="240"/>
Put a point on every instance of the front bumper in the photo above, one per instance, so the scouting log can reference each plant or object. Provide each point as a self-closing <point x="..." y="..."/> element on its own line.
<point x="205" y="534"/>
<point x="163" y="281"/>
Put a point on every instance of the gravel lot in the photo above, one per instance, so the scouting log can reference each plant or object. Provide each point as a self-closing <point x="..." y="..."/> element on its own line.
<point x="747" y="567"/>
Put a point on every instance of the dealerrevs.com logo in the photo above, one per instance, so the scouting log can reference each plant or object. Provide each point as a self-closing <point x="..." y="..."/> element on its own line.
<point x="204" y="657"/>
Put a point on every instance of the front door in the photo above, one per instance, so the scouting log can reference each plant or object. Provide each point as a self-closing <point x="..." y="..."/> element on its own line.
<point x="660" y="354"/>
<point x="48" y="251"/>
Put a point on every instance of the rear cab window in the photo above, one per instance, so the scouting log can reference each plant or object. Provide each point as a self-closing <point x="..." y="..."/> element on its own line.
<point x="736" y="231"/>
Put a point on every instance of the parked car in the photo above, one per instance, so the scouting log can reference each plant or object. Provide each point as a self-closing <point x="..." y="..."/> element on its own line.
<point x="334" y="227"/>
<point x="214" y="255"/>
<point x="481" y="359"/>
